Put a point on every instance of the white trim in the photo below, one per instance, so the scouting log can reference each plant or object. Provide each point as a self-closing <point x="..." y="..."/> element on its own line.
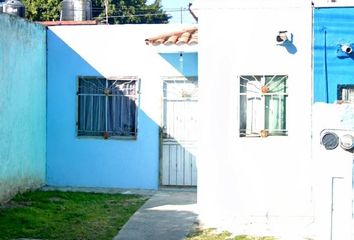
<point x="174" y="48"/>
<point x="329" y="4"/>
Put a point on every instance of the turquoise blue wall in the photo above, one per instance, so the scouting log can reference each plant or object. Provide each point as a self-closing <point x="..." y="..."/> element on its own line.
<point x="22" y="105"/>
<point x="332" y="26"/>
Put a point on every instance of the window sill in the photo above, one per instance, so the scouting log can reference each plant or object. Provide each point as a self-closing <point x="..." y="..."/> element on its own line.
<point x="107" y="139"/>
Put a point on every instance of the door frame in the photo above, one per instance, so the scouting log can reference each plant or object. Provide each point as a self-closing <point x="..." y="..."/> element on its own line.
<point x="163" y="79"/>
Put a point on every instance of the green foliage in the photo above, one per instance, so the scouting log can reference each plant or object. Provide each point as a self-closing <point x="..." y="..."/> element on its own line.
<point x="66" y="215"/>
<point x="119" y="11"/>
<point x="42" y="10"/>
<point x="130" y="11"/>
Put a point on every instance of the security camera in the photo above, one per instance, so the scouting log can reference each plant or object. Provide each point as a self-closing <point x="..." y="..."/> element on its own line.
<point x="344" y="50"/>
<point x="282" y="37"/>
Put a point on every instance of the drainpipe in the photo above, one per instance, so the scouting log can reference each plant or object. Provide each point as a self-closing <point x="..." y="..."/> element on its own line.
<point x="325" y="66"/>
<point x="192" y="13"/>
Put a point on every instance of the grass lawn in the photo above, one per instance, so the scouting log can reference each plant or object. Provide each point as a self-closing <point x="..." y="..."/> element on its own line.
<point x="66" y="215"/>
<point x="211" y="234"/>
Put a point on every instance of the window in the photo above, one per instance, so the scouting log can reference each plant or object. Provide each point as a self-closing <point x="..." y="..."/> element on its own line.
<point x="346" y="93"/>
<point x="263" y="105"/>
<point x="107" y="107"/>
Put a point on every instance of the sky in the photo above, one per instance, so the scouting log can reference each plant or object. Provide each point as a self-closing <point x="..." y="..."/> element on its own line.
<point x="173" y="8"/>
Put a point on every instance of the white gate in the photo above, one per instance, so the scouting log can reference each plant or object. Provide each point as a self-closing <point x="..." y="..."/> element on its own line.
<point x="179" y="135"/>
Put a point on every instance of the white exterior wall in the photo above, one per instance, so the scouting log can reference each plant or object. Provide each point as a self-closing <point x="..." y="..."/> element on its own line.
<point x="333" y="177"/>
<point x="254" y="185"/>
<point x="333" y="3"/>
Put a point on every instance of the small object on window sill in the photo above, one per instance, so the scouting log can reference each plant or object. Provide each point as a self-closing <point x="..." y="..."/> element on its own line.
<point x="264" y="89"/>
<point x="264" y="133"/>
<point x="105" y="135"/>
<point x="106" y="91"/>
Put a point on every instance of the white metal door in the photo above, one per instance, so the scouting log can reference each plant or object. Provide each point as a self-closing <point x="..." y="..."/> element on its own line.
<point x="179" y="135"/>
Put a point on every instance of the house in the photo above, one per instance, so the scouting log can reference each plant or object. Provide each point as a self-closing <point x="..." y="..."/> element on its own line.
<point x="275" y="152"/>
<point x="254" y="162"/>
<point x="89" y="105"/>
<point x="109" y="93"/>
<point x="22" y="105"/>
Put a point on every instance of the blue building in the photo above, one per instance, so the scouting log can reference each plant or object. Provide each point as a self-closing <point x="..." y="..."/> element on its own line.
<point x="333" y="54"/>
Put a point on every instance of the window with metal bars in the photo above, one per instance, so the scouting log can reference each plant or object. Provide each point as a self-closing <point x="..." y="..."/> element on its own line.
<point x="263" y="105"/>
<point x="107" y="107"/>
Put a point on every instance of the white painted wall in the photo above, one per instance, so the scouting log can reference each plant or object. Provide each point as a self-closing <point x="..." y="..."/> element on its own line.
<point x="333" y="173"/>
<point x="333" y="3"/>
<point x="254" y="185"/>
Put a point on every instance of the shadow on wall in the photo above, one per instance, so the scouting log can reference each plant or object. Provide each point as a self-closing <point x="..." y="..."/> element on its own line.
<point x="288" y="44"/>
<point x="291" y="48"/>
<point x="184" y="62"/>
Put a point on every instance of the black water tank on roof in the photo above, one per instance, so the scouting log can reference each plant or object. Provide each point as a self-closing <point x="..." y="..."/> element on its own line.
<point x="14" y="7"/>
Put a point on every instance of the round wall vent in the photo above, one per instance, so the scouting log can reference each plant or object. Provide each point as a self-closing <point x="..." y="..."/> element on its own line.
<point x="330" y="140"/>
<point x="347" y="142"/>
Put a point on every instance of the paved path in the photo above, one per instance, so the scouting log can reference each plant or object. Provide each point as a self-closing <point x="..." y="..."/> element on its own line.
<point x="167" y="215"/>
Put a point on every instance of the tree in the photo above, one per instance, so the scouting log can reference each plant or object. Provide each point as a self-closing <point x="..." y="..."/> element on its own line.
<point x="129" y="11"/>
<point x="119" y="11"/>
<point x="42" y="10"/>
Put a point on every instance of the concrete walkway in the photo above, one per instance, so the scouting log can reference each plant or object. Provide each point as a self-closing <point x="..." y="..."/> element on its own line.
<point x="167" y="215"/>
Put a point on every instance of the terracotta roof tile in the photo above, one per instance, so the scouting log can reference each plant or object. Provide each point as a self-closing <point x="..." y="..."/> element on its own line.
<point x="65" y="23"/>
<point x="187" y="36"/>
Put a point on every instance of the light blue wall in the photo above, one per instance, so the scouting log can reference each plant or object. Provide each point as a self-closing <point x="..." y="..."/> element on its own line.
<point x="92" y="162"/>
<point x="22" y="105"/>
<point x="332" y="26"/>
<point x="185" y="63"/>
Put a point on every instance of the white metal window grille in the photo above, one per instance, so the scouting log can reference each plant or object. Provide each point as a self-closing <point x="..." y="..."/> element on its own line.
<point x="263" y="105"/>
<point x="346" y="93"/>
<point x="107" y="107"/>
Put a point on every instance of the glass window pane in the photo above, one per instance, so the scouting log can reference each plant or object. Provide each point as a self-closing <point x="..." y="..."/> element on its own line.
<point x="106" y="107"/>
<point x="263" y="105"/>
<point x="91" y="121"/>
<point x="122" y="108"/>
<point x="121" y="116"/>
<point x="275" y="114"/>
<point x="91" y="85"/>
